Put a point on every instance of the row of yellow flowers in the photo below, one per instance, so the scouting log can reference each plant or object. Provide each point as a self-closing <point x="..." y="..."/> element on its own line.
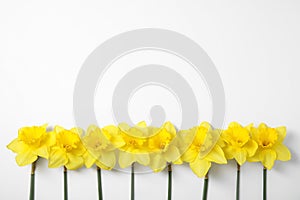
<point x="151" y="146"/>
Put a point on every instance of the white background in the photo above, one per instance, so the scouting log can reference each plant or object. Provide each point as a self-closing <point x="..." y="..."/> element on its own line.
<point x="255" y="46"/>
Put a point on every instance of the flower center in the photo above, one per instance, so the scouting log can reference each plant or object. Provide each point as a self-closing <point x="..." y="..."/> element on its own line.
<point x="199" y="147"/>
<point x="98" y="144"/>
<point x="241" y="142"/>
<point x="68" y="147"/>
<point x="268" y="138"/>
<point x="162" y="145"/>
<point x="132" y="143"/>
<point x="266" y="144"/>
<point x="31" y="141"/>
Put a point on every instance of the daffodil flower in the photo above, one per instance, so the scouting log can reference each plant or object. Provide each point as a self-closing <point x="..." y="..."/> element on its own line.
<point x="99" y="148"/>
<point x="270" y="145"/>
<point x="68" y="150"/>
<point x="32" y="142"/>
<point x="202" y="148"/>
<point x="163" y="147"/>
<point x="134" y="148"/>
<point x="238" y="143"/>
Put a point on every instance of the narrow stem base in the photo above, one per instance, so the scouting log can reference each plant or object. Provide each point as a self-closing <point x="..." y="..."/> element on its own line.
<point x="132" y="181"/>
<point x="100" y="196"/>
<point x="205" y="188"/>
<point x="32" y="180"/>
<point x="238" y="181"/>
<point x="65" y="183"/>
<point x="265" y="183"/>
<point x="169" y="181"/>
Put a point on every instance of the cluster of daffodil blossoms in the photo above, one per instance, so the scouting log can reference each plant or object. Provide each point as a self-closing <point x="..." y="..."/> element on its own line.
<point x="156" y="147"/>
<point x="151" y="146"/>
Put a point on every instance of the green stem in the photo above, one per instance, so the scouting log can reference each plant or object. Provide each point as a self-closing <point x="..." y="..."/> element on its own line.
<point x="205" y="188"/>
<point x="99" y="183"/>
<point x="65" y="183"/>
<point x="32" y="180"/>
<point x="265" y="183"/>
<point x="169" y="181"/>
<point x="132" y="181"/>
<point x="238" y="181"/>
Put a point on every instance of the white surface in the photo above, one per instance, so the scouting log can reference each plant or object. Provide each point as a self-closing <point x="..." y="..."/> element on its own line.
<point x="255" y="46"/>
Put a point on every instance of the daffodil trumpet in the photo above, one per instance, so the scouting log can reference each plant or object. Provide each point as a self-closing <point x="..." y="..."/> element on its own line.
<point x="65" y="183"/>
<point x="32" y="180"/>
<point x="100" y="195"/>
<point x="205" y="187"/>
<point x="169" y="181"/>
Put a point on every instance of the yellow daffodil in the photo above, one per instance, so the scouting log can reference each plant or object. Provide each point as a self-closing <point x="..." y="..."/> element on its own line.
<point x="162" y="145"/>
<point x="202" y="148"/>
<point x="238" y="143"/>
<point x="68" y="150"/>
<point x="270" y="145"/>
<point x="99" y="148"/>
<point x="32" y="142"/>
<point x="134" y="148"/>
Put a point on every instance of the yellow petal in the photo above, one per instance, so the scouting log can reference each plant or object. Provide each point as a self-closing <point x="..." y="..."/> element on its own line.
<point x="42" y="152"/>
<point x="262" y="125"/>
<point x="118" y="142"/>
<point x="250" y="147"/>
<point x="74" y="161"/>
<point x="210" y="141"/>
<point x="89" y="160"/>
<point x="92" y="128"/>
<point x="108" y="159"/>
<point x="206" y="125"/>
<point x="112" y="134"/>
<point x="281" y="133"/>
<point x="58" y="129"/>
<point x="268" y="158"/>
<point x="126" y="159"/>
<point x="170" y="128"/>
<point x="51" y="139"/>
<point x="124" y="127"/>
<point x="110" y="130"/>
<point x="157" y="164"/>
<point x="79" y="150"/>
<point x="57" y="158"/>
<point x="45" y="126"/>
<point x="178" y="162"/>
<point x="16" y="146"/>
<point x="254" y="158"/>
<point x="143" y="159"/>
<point x="142" y="124"/>
<point x="77" y="130"/>
<point x="234" y="125"/>
<point x="216" y="155"/>
<point x="171" y="154"/>
<point x="200" y="167"/>
<point x="249" y="126"/>
<point x="228" y="151"/>
<point x="102" y="166"/>
<point x="25" y="158"/>
<point x="241" y="156"/>
<point x="190" y="155"/>
<point x="283" y="153"/>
